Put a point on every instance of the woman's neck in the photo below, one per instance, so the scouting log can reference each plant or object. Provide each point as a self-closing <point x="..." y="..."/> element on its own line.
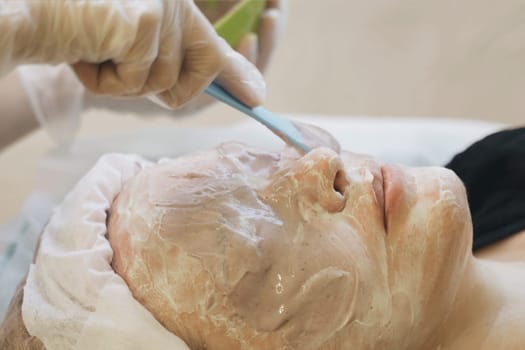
<point x="511" y="248"/>
<point x="489" y="310"/>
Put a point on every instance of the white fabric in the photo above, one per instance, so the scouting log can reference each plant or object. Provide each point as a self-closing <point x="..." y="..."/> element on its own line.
<point x="72" y="298"/>
<point x="121" y="322"/>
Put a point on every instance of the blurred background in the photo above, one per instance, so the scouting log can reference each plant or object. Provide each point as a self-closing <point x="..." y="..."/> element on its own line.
<point x="383" y="58"/>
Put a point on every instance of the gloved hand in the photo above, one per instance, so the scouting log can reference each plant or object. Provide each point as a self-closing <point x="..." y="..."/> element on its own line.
<point x="58" y="98"/>
<point x="256" y="47"/>
<point x="72" y="295"/>
<point x="128" y="48"/>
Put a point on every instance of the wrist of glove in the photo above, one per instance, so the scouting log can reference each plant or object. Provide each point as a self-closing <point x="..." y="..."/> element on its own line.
<point x="56" y="98"/>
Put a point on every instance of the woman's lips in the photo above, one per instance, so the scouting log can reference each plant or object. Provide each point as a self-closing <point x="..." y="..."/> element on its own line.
<point x="377" y="186"/>
<point x="393" y="187"/>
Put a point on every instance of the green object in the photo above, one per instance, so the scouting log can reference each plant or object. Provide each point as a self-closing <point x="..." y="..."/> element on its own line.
<point x="241" y="19"/>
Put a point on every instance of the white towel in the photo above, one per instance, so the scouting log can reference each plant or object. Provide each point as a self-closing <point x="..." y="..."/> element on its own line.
<point x="72" y="298"/>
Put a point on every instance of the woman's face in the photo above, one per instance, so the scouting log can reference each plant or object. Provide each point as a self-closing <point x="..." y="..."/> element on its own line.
<point x="320" y="248"/>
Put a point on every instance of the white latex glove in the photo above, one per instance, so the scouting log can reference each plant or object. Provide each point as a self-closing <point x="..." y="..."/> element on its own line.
<point x="128" y="48"/>
<point x="58" y="98"/>
<point x="256" y="47"/>
<point x="72" y="298"/>
<point x="260" y="47"/>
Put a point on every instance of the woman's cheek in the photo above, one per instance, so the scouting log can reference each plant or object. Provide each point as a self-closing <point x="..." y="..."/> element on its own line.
<point x="362" y="207"/>
<point x="430" y="249"/>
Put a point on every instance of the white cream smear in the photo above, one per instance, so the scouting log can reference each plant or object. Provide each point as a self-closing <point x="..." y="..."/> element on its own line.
<point x="243" y="249"/>
<point x="254" y="235"/>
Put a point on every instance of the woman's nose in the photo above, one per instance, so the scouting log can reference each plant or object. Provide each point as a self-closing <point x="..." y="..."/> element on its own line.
<point x="319" y="178"/>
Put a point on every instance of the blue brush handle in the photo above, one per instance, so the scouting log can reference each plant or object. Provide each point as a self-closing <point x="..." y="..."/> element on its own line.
<point x="279" y="125"/>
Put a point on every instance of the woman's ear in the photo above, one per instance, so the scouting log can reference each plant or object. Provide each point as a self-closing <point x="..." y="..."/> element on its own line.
<point x="318" y="178"/>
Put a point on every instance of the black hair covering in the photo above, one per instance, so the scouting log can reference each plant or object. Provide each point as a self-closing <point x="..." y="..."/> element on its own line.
<point x="493" y="171"/>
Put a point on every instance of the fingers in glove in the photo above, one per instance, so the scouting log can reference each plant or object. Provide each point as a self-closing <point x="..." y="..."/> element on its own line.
<point x="281" y="5"/>
<point x="242" y="79"/>
<point x="204" y="58"/>
<point x="114" y="80"/>
<point x="248" y="47"/>
<point x="126" y="74"/>
<point x="269" y="31"/>
<point x="164" y="71"/>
